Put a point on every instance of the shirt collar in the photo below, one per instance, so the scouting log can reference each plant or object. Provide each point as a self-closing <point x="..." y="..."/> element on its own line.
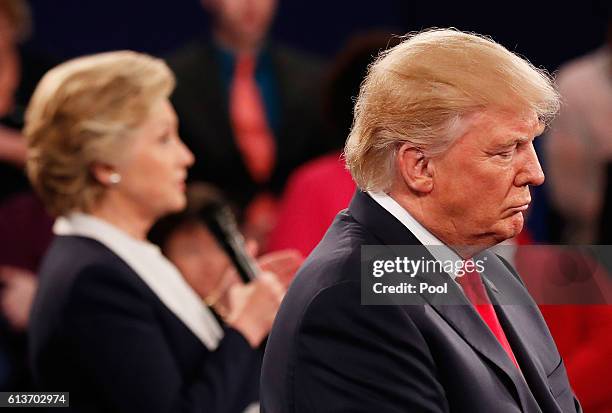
<point x="437" y="248"/>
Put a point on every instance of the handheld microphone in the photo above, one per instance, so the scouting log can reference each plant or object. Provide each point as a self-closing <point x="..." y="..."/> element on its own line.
<point x="222" y="224"/>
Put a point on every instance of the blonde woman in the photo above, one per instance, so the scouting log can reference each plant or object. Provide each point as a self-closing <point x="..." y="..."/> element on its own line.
<point x="113" y="322"/>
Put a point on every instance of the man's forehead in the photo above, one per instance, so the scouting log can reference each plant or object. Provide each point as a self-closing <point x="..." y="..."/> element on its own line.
<point x="509" y="125"/>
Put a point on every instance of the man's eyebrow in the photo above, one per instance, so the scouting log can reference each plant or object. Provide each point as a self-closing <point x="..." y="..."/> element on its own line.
<point x="514" y="141"/>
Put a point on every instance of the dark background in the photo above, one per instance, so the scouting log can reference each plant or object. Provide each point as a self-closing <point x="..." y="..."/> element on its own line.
<point x="547" y="32"/>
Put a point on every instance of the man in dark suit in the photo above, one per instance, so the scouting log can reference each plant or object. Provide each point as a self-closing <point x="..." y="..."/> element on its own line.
<point x="248" y="106"/>
<point x="442" y="150"/>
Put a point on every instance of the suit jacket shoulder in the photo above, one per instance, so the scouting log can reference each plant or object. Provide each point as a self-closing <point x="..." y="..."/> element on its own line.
<point x="98" y="331"/>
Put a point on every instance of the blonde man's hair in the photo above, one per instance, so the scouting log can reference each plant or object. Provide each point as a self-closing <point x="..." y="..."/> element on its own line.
<point x="81" y="113"/>
<point x="419" y="91"/>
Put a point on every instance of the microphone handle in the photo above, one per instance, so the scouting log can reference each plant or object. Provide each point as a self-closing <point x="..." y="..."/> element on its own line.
<point x="224" y="228"/>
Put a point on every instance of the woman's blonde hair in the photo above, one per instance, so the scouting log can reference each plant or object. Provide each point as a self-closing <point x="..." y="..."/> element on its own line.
<point x="81" y="113"/>
<point x="419" y="91"/>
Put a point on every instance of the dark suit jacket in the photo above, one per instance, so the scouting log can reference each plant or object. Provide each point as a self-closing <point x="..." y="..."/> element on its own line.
<point x="98" y="331"/>
<point x="329" y="353"/>
<point x="203" y="110"/>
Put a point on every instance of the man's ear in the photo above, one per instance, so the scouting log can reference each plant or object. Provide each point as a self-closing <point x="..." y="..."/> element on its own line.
<point x="415" y="168"/>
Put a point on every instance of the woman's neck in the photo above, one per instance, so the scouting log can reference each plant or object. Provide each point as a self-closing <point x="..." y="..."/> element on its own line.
<point x="123" y="215"/>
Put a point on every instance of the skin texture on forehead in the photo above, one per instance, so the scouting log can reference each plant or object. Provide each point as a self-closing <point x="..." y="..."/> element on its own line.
<point x="522" y="127"/>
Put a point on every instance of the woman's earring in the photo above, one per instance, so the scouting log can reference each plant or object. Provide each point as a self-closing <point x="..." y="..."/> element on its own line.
<point x="114" y="178"/>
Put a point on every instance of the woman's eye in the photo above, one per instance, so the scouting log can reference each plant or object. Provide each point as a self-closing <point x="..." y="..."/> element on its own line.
<point x="164" y="138"/>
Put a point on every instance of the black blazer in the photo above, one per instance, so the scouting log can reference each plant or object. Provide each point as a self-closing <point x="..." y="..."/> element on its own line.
<point x="204" y="123"/>
<point x="329" y="353"/>
<point x="98" y="331"/>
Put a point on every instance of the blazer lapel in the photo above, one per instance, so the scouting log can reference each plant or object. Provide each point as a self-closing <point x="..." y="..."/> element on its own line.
<point x="470" y="326"/>
<point x="527" y="359"/>
<point x="454" y="308"/>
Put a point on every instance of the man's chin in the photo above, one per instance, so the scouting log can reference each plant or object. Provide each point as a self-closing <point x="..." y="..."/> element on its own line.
<point x="512" y="226"/>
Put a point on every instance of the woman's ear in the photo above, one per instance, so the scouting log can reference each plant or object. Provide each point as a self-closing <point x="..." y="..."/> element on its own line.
<point x="415" y="169"/>
<point x="105" y="174"/>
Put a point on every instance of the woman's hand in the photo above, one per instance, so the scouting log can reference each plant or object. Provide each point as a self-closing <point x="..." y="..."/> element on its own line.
<point x="253" y="306"/>
<point x="283" y="264"/>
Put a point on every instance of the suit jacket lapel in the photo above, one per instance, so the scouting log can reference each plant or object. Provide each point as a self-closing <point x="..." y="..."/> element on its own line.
<point x="453" y="308"/>
<point x="527" y="359"/>
<point x="470" y="326"/>
<point x="512" y="312"/>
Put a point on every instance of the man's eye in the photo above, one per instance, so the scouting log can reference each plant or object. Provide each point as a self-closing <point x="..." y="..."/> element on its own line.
<point x="507" y="154"/>
<point x="164" y="138"/>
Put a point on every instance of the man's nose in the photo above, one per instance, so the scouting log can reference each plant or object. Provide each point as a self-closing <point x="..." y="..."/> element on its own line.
<point x="530" y="172"/>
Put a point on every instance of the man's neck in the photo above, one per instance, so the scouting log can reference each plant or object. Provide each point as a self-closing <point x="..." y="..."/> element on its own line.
<point x="444" y="230"/>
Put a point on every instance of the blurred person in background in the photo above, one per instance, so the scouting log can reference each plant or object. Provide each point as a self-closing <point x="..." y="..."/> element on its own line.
<point x="578" y="154"/>
<point x="20" y="70"/>
<point x="114" y="322"/>
<point x="580" y="144"/>
<point x="317" y="190"/>
<point x="248" y="108"/>
<point x="25" y="228"/>
<point x="14" y="26"/>
<point x="185" y="239"/>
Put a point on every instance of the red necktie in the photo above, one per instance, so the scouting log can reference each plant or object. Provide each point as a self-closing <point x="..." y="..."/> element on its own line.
<point x="474" y="290"/>
<point x="248" y="117"/>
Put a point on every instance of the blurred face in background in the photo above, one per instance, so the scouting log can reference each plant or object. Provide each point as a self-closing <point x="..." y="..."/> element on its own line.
<point x="241" y="23"/>
<point x="153" y="166"/>
<point x="9" y="66"/>
<point x="195" y="252"/>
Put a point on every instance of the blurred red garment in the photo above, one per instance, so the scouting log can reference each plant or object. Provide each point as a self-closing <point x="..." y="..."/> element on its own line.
<point x="583" y="333"/>
<point x="314" y="194"/>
